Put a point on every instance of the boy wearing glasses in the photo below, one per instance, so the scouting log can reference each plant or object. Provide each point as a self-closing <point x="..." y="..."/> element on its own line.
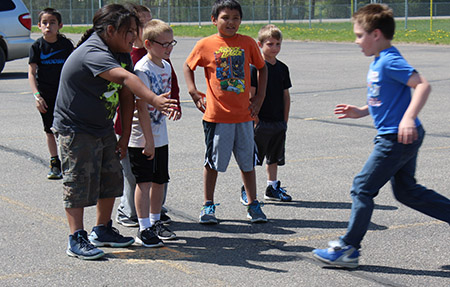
<point x="148" y="145"/>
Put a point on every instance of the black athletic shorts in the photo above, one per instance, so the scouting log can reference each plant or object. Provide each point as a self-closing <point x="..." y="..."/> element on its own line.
<point x="270" y="138"/>
<point x="155" y="170"/>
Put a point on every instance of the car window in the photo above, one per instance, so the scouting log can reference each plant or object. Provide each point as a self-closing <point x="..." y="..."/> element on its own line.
<point x="6" y="5"/>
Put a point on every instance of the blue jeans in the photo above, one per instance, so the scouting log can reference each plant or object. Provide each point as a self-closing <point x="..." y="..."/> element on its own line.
<point x="395" y="162"/>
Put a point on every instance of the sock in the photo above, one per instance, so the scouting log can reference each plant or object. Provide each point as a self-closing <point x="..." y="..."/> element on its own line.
<point x="273" y="183"/>
<point x="209" y="202"/>
<point x="54" y="161"/>
<point x="144" y="223"/>
<point x="154" y="217"/>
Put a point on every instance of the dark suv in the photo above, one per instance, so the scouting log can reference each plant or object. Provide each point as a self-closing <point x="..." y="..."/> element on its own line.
<point x="15" y="29"/>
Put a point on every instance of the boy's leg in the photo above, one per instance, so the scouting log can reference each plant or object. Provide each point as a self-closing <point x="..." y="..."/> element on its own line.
<point x="104" y="210"/>
<point x="416" y="196"/>
<point x="142" y="199"/>
<point x="209" y="183"/>
<point x="75" y="219"/>
<point x="387" y="158"/>
<point x="272" y="170"/>
<point x="126" y="212"/>
<point x="51" y="143"/>
<point x="109" y="181"/>
<point x="145" y="235"/>
<point x="55" y="164"/>
<point x="156" y="197"/>
<point x="75" y="156"/>
<point x="249" y="179"/>
<point x="379" y="168"/>
<point x="254" y="211"/>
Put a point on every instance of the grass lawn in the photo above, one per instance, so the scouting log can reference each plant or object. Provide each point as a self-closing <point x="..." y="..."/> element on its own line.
<point x="418" y="31"/>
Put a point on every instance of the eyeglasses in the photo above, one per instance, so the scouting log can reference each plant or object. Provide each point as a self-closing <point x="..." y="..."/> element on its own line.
<point x="166" y="45"/>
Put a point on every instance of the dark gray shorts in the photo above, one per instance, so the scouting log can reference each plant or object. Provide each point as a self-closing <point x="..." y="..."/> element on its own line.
<point x="91" y="168"/>
<point x="224" y="139"/>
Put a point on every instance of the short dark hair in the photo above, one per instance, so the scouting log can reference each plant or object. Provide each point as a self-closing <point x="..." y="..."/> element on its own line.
<point x="220" y="5"/>
<point x="376" y="16"/>
<point x="52" y="12"/>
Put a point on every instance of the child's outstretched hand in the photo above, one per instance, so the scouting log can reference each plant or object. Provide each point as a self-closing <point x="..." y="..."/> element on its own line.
<point x="350" y="111"/>
<point x="164" y="104"/>
<point x="174" y="115"/>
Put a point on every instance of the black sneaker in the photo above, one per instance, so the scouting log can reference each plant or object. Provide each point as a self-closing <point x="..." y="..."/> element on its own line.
<point x="277" y="194"/>
<point x="80" y="247"/>
<point x="162" y="231"/>
<point x="109" y="236"/>
<point x="148" y="238"/>
<point x="165" y="218"/>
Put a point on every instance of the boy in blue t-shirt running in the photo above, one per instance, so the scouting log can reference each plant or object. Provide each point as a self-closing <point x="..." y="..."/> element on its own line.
<point x="400" y="135"/>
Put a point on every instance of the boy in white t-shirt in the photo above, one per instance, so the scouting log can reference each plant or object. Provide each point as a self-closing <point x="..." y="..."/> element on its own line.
<point x="148" y="146"/>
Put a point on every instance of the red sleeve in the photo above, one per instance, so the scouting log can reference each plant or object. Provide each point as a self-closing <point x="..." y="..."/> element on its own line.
<point x="175" y="91"/>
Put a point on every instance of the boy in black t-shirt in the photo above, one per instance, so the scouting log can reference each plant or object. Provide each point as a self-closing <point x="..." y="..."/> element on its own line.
<point x="47" y="56"/>
<point x="271" y="123"/>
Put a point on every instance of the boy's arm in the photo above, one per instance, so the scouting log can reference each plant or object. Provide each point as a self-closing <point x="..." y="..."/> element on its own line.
<point x="41" y="105"/>
<point x="350" y="111"/>
<point x="126" y="100"/>
<point x="252" y="94"/>
<point x="257" y="100"/>
<point x="146" y="125"/>
<point x="196" y="95"/>
<point x="123" y="77"/>
<point x="407" y="131"/>
<point x="287" y="104"/>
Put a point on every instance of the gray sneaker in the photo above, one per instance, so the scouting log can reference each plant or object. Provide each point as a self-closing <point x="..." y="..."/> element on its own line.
<point x="80" y="247"/>
<point x="54" y="173"/>
<point x="208" y="214"/>
<point x="255" y="213"/>
<point x="162" y="231"/>
<point x="108" y="236"/>
<point x="127" y="222"/>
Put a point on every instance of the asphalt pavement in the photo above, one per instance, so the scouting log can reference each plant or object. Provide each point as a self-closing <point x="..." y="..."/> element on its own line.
<point x="323" y="153"/>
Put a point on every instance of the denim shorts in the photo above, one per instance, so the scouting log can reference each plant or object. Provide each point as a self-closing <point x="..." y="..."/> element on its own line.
<point x="91" y="168"/>
<point x="224" y="139"/>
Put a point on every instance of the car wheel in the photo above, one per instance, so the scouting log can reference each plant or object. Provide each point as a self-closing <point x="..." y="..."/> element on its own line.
<point x="2" y="59"/>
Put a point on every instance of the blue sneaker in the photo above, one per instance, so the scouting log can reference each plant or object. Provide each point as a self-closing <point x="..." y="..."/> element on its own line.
<point x="338" y="255"/>
<point x="255" y="213"/>
<point x="108" y="236"/>
<point x="244" y="200"/>
<point x="80" y="247"/>
<point x="277" y="194"/>
<point x="208" y="214"/>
